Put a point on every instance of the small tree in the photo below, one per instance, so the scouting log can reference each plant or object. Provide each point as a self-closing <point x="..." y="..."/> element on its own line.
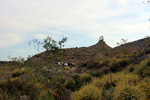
<point x="122" y="42"/>
<point x="37" y="44"/>
<point x="50" y="44"/>
<point x="123" y="46"/>
<point x="61" y="42"/>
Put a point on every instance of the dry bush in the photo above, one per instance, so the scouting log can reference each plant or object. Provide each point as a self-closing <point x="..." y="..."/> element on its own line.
<point x="121" y="76"/>
<point x="143" y="69"/>
<point x="18" y="72"/>
<point x="67" y="68"/>
<point x="86" y="77"/>
<point x="145" y="86"/>
<point x="88" y="92"/>
<point x="128" y="91"/>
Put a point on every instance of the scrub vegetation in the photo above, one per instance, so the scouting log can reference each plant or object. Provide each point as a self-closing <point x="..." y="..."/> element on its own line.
<point x="98" y="72"/>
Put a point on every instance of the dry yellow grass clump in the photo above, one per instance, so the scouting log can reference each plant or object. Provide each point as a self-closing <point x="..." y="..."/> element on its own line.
<point x="17" y="72"/>
<point x="88" y="92"/>
<point x="127" y="91"/>
<point x="67" y="68"/>
<point x="121" y="76"/>
<point x="145" y="86"/>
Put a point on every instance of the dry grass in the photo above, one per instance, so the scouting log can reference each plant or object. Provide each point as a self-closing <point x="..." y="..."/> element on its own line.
<point x="88" y="92"/>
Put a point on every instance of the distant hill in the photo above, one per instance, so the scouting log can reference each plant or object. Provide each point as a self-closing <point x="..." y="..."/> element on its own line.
<point x="90" y="54"/>
<point x="73" y="55"/>
<point x="135" y="46"/>
<point x="4" y="62"/>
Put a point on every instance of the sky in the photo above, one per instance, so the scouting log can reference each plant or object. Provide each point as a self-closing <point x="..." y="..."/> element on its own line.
<point x="82" y="21"/>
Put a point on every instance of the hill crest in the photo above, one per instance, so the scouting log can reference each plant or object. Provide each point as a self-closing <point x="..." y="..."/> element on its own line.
<point x="89" y="54"/>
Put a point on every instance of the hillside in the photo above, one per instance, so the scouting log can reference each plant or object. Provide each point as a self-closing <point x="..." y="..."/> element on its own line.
<point x="90" y="54"/>
<point x="120" y="73"/>
<point x="137" y="46"/>
<point x="73" y="55"/>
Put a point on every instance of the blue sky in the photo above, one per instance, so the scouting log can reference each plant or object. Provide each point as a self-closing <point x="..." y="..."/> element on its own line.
<point x="82" y="21"/>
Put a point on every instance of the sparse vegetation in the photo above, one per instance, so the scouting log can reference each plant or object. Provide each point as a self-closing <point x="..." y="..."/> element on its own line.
<point x="110" y="76"/>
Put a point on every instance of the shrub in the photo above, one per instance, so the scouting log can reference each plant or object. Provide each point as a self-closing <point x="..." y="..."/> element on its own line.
<point x="45" y="72"/>
<point x="97" y="74"/>
<point x="127" y="91"/>
<point x="4" y="95"/>
<point x="78" y="82"/>
<point x="67" y="68"/>
<point x="90" y="65"/>
<point x="86" y="77"/>
<point x="143" y="69"/>
<point x="88" y="92"/>
<point x="147" y="80"/>
<point x="12" y="88"/>
<point x="83" y="64"/>
<point x="17" y="72"/>
<point x="117" y="64"/>
<point x="71" y="84"/>
<point x="15" y="87"/>
<point x="131" y="68"/>
<point x="102" y="63"/>
<point x="106" y="70"/>
<point x="105" y="80"/>
<point x="57" y="83"/>
<point x="145" y="86"/>
<point x="47" y="96"/>
<point x="58" y="79"/>
<point x="2" y="72"/>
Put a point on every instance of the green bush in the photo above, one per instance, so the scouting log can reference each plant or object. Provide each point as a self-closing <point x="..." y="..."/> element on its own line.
<point x="4" y="95"/>
<point x="117" y="64"/>
<point x="131" y="68"/>
<point x="97" y="74"/>
<point x="71" y="84"/>
<point x="90" y="65"/>
<point x="77" y="81"/>
<point x="143" y="69"/>
<point x="47" y="96"/>
<point x="86" y="77"/>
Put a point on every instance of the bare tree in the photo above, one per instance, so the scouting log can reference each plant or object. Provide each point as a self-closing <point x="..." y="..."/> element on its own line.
<point x="123" y="46"/>
<point x="37" y="44"/>
<point x="61" y="42"/>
